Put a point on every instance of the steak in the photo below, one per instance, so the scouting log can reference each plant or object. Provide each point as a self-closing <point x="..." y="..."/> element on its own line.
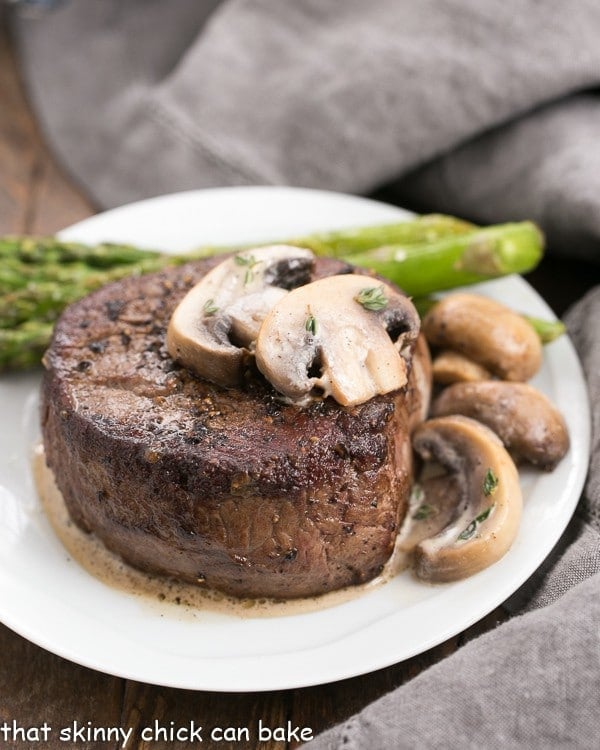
<point x="230" y="488"/>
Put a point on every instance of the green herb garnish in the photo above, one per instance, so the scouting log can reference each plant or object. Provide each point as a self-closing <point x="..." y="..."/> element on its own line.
<point x="472" y="527"/>
<point x="490" y="483"/>
<point x="245" y="260"/>
<point x="311" y="324"/>
<point x="372" y="298"/>
<point x="468" y="532"/>
<point x="209" y="307"/>
<point x="483" y="515"/>
<point x="249" y="261"/>
<point x="423" y="512"/>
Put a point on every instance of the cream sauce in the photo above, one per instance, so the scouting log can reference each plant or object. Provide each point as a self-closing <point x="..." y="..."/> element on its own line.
<point x="92" y="555"/>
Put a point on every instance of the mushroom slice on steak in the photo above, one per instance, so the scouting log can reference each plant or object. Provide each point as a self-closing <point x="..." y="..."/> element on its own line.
<point x="486" y="493"/>
<point x="349" y="336"/>
<point x="214" y="325"/>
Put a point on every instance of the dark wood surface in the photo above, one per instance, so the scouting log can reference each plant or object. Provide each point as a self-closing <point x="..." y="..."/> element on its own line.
<point x="35" y="686"/>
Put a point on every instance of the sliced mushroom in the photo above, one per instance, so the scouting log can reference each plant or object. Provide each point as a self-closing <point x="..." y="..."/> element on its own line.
<point x="452" y="367"/>
<point x="526" y="421"/>
<point x="217" y="321"/>
<point x="432" y="507"/>
<point x="347" y="336"/>
<point x="419" y="383"/>
<point x="487" y="332"/>
<point x="488" y="499"/>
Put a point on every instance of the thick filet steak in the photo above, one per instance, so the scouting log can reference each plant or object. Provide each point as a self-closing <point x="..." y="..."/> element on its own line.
<point x="228" y="488"/>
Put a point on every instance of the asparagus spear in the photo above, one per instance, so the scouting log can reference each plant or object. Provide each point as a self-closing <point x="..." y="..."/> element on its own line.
<point x="547" y="330"/>
<point x="49" y="250"/>
<point x="459" y="260"/>
<point x="46" y="297"/>
<point x="41" y="302"/>
<point x="341" y="243"/>
<point x="46" y="252"/>
<point x="44" y="259"/>
<point x="67" y="271"/>
<point x="16" y="275"/>
<point x="454" y="254"/>
<point x="23" y="347"/>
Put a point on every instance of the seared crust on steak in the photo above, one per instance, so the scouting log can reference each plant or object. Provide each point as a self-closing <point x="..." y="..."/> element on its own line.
<point x="230" y="488"/>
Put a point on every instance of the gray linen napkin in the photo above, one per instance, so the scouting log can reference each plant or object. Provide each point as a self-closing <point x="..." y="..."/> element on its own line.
<point x="533" y="682"/>
<point x="477" y="107"/>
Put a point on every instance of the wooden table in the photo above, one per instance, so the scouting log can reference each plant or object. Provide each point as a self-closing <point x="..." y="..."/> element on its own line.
<point x="36" y="197"/>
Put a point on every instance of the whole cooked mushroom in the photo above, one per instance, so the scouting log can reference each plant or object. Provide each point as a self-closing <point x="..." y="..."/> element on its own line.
<point x="486" y="493"/>
<point x="350" y="337"/>
<point x="452" y="367"/>
<point x="524" y="419"/>
<point x="487" y="332"/>
<point x="212" y="328"/>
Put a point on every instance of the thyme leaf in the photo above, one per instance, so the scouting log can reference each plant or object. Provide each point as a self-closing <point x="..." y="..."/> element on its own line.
<point x="482" y="516"/>
<point x="311" y="324"/>
<point x="468" y="532"/>
<point x="209" y="307"/>
<point x="472" y="527"/>
<point x="249" y="261"/>
<point x="372" y="298"/>
<point x="245" y="260"/>
<point x="423" y="512"/>
<point x="490" y="483"/>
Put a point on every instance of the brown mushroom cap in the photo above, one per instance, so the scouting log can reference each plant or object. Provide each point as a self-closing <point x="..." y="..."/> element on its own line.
<point x="526" y="421"/>
<point x="487" y="499"/>
<point x="452" y="367"/>
<point x="487" y="332"/>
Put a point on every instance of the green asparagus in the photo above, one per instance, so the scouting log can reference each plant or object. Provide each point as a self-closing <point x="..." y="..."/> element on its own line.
<point x="22" y="347"/>
<point x="40" y="276"/>
<point x="48" y="250"/>
<point x="459" y="260"/>
<point x="547" y="330"/>
<point x="46" y="297"/>
<point x="341" y="243"/>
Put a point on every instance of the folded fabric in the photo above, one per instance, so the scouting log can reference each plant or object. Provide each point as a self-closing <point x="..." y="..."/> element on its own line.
<point x="487" y="110"/>
<point x="156" y="97"/>
<point x="533" y="682"/>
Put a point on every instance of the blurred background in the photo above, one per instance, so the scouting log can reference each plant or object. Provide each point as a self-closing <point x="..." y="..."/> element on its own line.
<point x="442" y="107"/>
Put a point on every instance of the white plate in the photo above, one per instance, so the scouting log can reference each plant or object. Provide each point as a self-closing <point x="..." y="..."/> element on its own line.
<point x="55" y="603"/>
